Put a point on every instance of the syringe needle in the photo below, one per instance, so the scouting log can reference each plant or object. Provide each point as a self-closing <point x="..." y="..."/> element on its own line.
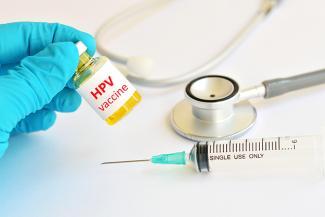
<point x="173" y="158"/>
<point x="126" y="161"/>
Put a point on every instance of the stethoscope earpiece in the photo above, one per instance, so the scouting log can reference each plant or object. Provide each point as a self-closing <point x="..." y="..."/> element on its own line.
<point x="212" y="111"/>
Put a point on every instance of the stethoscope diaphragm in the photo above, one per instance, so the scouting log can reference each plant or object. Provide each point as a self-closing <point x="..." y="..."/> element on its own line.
<point x="212" y="111"/>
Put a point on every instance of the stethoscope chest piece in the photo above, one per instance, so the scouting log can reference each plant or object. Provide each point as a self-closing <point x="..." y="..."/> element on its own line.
<point x="211" y="110"/>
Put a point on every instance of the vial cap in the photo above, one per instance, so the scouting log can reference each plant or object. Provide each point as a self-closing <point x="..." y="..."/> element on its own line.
<point x="81" y="47"/>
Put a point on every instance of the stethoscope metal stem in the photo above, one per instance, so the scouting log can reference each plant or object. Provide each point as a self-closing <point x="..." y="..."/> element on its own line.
<point x="252" y="92"/>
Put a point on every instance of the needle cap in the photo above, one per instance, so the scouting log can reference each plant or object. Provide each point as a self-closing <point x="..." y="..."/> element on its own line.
<point x="173" y="158"/>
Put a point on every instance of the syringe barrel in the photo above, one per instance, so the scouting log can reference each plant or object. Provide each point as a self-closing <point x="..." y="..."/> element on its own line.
<point x="263" y="156"/>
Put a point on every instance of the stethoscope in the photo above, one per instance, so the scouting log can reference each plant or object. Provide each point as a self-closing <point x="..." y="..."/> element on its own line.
<point x="215" y="108"/>
<point x="138" y="68"/>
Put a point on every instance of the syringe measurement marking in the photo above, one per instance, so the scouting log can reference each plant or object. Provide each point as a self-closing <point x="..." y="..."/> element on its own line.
<point x="276" y="145"/>
<point x="266" y="145"/>
<point x="247" y="146"/>
<point x="263" y="144"/>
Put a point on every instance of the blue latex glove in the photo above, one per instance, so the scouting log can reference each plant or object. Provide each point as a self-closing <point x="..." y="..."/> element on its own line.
<point x="36" y="62"/>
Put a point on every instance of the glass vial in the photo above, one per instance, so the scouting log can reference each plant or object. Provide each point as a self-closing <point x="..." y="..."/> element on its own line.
<point x="105" y="89"/>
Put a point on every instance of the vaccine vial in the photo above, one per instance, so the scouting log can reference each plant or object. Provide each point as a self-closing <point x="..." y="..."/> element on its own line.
<point x="105" y="89"/>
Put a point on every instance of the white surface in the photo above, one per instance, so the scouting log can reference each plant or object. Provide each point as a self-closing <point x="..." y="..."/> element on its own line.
<point x="57" y="173"/>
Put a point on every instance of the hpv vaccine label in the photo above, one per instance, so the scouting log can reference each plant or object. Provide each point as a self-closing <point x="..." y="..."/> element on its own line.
<point x="107" y="90"/>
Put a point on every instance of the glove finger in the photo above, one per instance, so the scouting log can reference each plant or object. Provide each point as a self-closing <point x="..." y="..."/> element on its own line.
<point x="3" y="142"/>
<point x="31" y="85"/>
<point x="40" y="120"/>
<point x="22" y="39"/>
<point x="67" y="100"/>
<point x="4" y="68"/>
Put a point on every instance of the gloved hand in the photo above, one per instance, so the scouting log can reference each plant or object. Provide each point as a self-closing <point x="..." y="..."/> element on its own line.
<point x="36" y="62"/>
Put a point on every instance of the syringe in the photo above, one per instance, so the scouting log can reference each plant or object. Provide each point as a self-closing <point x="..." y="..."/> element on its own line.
<point x="283" y="154"/>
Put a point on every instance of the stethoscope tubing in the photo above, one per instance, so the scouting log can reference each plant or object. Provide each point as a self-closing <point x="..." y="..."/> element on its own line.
<point x="266" y="7"/>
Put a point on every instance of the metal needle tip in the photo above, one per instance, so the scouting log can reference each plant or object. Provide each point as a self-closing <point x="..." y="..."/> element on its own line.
<point x="126" y="161"/>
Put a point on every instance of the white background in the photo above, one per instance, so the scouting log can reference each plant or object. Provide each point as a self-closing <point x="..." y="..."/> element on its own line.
<point x="57" y="172"/>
